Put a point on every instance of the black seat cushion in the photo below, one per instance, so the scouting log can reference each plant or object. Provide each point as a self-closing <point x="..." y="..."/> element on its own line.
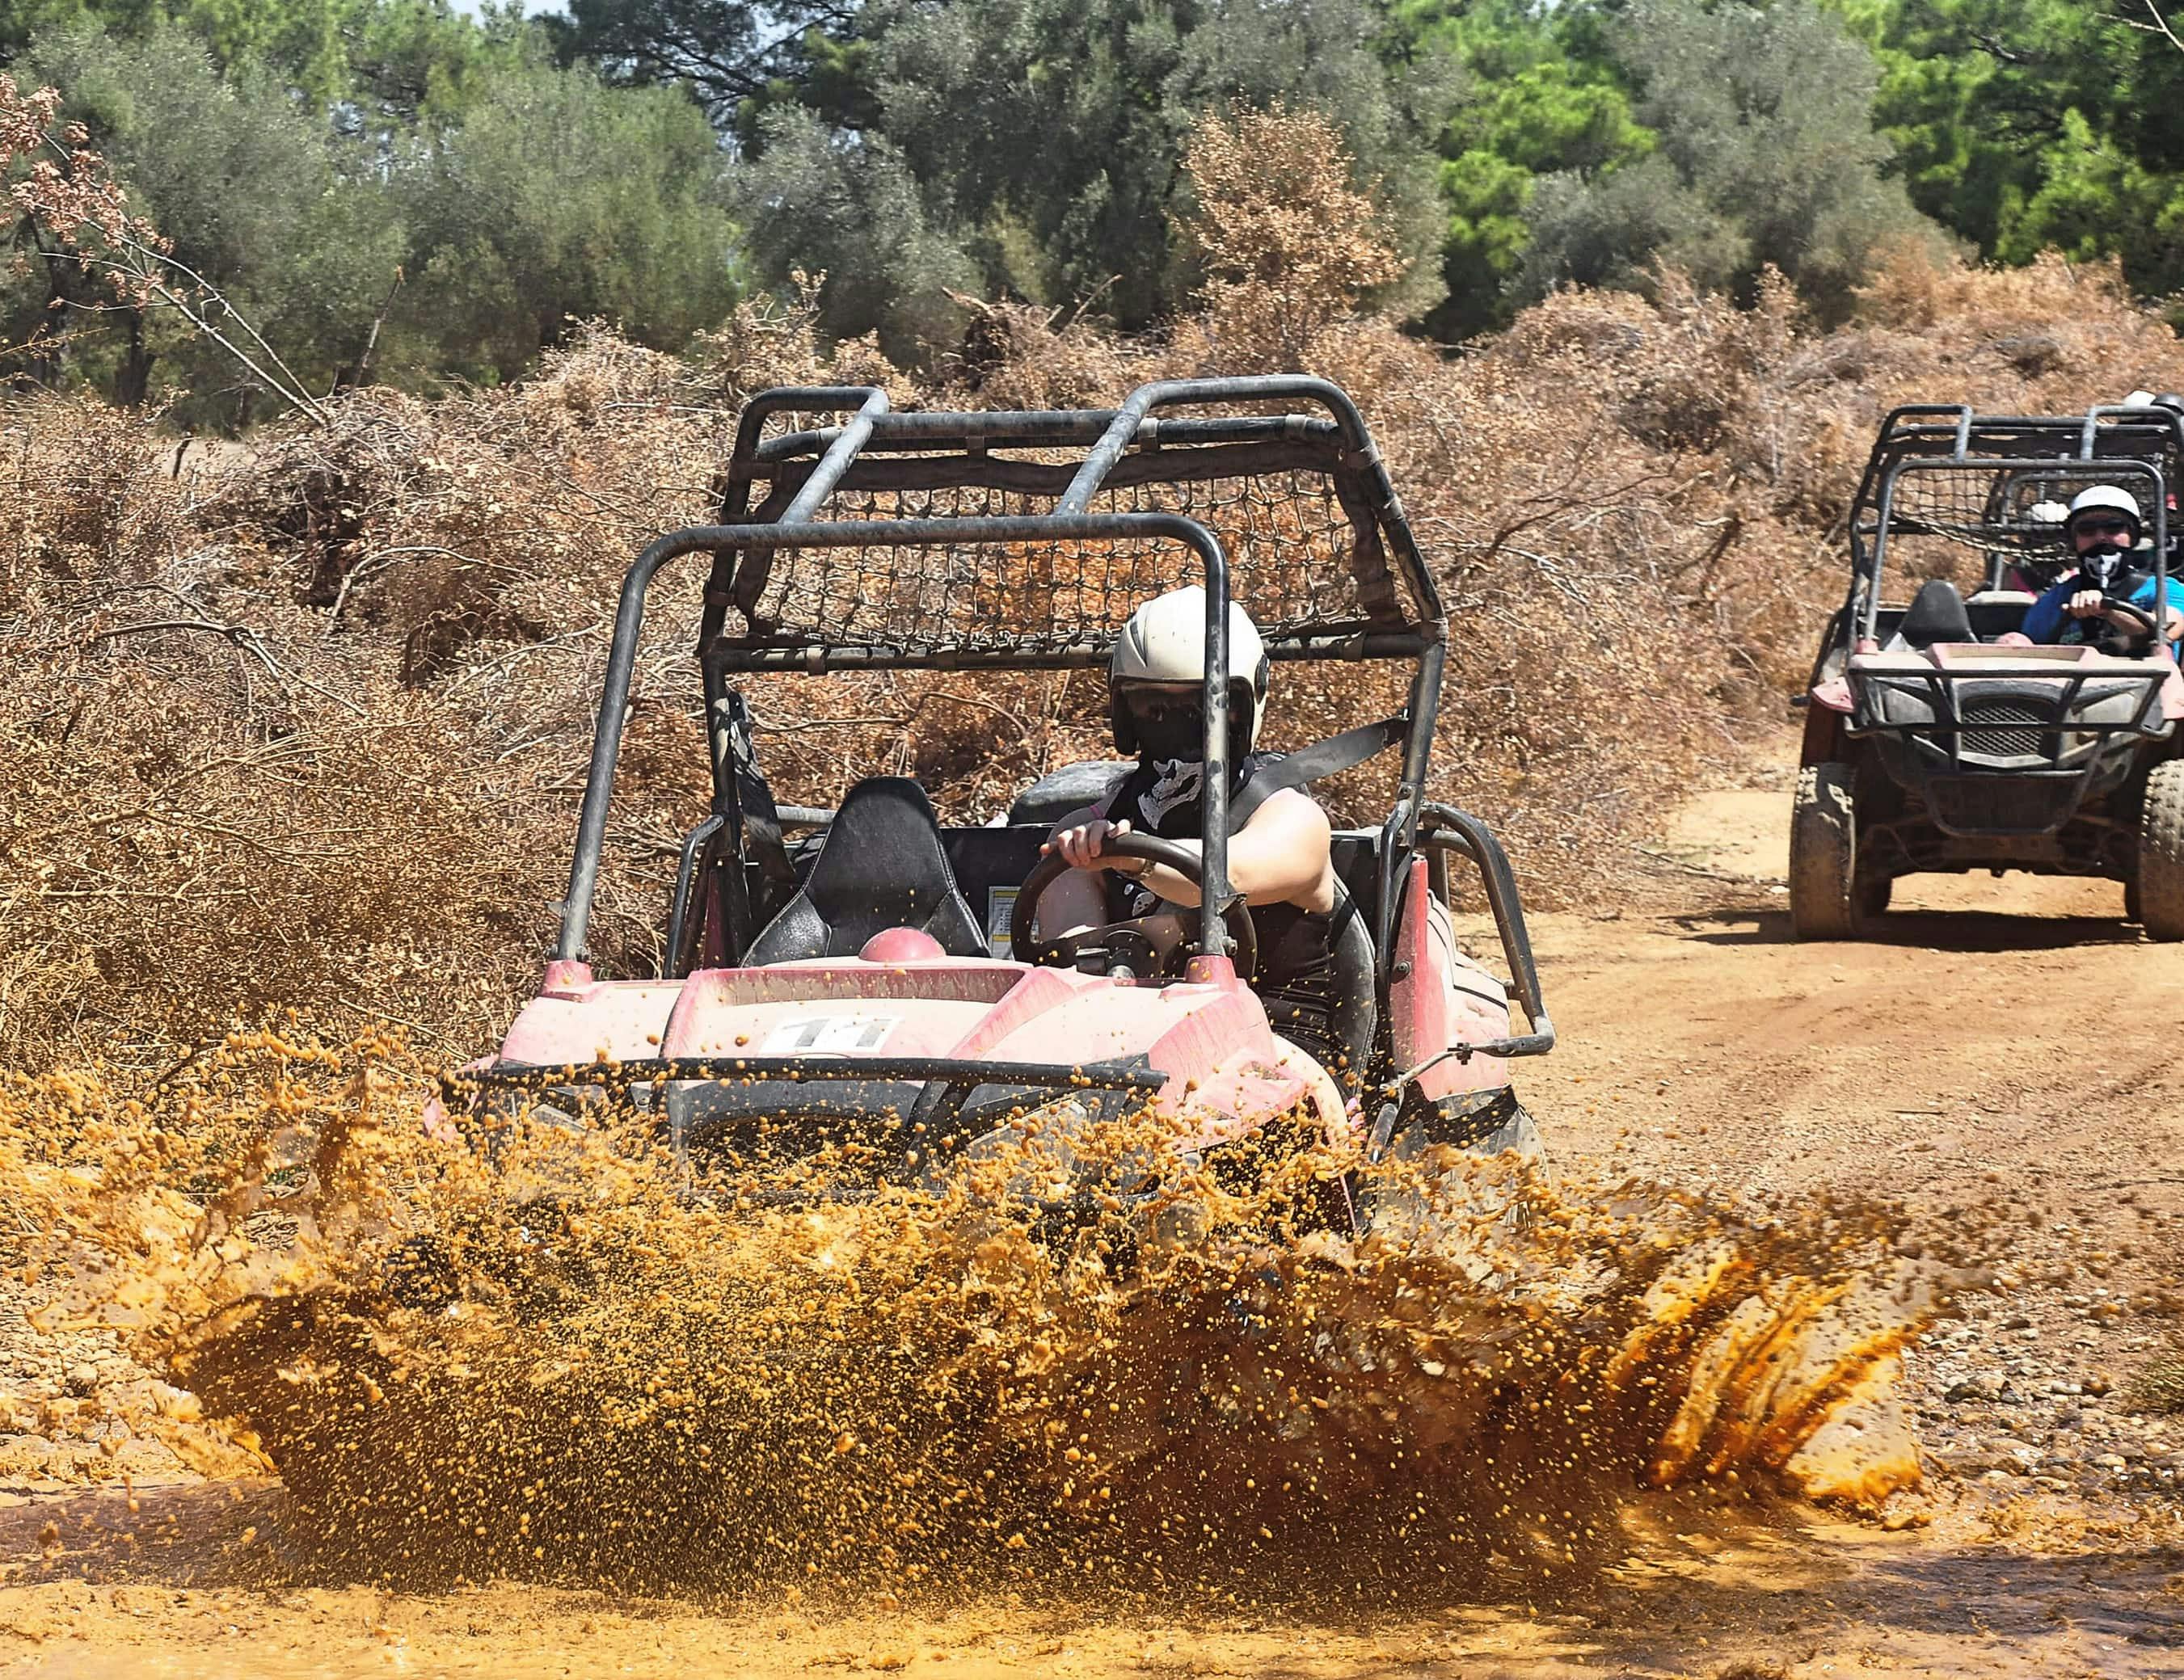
<point x="882" y="866"/>
<point x="1936" y="614"/>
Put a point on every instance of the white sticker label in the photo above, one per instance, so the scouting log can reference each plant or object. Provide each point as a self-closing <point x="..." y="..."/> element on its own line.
<point x="829" y="1034"/>
<point x="1000" y="916"/>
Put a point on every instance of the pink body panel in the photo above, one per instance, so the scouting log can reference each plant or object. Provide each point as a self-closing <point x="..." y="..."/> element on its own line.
<point x="585" y="1019"/>
<point x="1442" y="998"/>
<point x="1228" y="1074"/>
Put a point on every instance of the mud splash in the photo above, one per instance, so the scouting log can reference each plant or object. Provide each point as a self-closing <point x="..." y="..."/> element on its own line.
<point x="558" y="1355"/>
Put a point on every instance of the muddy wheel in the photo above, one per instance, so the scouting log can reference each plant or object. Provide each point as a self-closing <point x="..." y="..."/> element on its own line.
<point x="1446" y="1205"/>
<point x="2161" y="853"/>
<point x="1827" y="899"/>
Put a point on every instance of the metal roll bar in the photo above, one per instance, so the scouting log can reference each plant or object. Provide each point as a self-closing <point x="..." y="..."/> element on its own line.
<point x="1445" y="828"/>
<point x="629" y="621"/>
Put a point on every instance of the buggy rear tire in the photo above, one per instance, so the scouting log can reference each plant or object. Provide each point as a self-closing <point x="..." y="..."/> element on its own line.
<point x="1827" y="899"/>
<point x="2161" y="853"/>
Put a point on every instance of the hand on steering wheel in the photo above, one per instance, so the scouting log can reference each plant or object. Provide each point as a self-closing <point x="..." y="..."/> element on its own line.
<point x="2138" y="640"/>
<point x="1120" y="841"/>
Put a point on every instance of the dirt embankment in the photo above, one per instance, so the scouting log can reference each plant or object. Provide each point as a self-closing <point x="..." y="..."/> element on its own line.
<point x="2005" y="1064"/>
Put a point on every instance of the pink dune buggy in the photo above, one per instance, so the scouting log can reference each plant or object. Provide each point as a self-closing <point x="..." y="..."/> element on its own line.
<point x="868" y="976"/>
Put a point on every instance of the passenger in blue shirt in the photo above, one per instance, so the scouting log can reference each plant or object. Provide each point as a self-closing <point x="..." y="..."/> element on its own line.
<point x="2103" y="531"/>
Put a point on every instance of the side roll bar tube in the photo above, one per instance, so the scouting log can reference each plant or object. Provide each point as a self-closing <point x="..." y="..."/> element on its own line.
<point x="836" y="461"/>
<point x="606" y="739"/>
<point x="629" y="621"/>
<point x="686" y="876"/>
<point x="1446" y="828"/>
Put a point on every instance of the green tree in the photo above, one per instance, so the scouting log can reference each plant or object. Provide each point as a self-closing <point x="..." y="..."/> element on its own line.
<point x="1536" y="92"/>
<point x="1045" y="138"/>
<point x="555" y="199"/>
<point x="283" y="218"/>
<point x="2023" y="125"/>
<point x="848" y="210"/>
<point x="359" y="62"/>
<point x="1765" y="154"/>
<point x="516" y="196"/>
<point x="724" y="52"/>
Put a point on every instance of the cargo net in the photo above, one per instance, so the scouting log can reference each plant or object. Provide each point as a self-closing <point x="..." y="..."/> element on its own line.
<point x="1295" y="563"/>
<point x="1983" y="528"/>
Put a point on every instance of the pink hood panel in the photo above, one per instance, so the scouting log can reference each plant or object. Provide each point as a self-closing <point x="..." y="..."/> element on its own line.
<point x="1227" y="1071"/>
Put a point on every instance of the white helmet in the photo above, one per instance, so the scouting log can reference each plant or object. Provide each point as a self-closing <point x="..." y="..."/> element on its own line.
<point x="2108" y="498"/>
<point x="1163" y="645"/>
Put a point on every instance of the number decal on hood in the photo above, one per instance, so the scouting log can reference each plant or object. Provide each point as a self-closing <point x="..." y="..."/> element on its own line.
<point x="829" y="1034"/>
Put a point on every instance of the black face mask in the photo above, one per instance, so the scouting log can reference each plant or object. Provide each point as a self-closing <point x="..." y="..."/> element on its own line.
<point x="2101" y="565"/>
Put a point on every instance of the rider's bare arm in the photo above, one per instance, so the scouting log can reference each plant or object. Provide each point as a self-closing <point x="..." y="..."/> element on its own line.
<point x="1282" y="855"/>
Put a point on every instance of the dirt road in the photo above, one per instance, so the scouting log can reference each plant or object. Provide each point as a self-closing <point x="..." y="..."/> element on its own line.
<point x="2007" y="1063"/>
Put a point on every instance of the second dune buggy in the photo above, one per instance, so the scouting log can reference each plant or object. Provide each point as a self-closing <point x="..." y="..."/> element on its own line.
<point x="1936" y="739"/>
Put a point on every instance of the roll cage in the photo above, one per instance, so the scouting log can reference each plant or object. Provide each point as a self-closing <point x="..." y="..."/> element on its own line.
<point x="1018" y="541"/>
<point x="1940" y="470"/>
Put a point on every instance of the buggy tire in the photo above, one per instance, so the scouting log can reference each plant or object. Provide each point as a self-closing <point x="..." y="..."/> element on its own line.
<point x="2161" y="853"/>
<point x="1827" y="900"/>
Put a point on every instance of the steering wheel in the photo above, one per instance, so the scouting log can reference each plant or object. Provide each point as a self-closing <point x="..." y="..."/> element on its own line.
<point x="2130" y="641"/>
<point x="1243" y="932"/>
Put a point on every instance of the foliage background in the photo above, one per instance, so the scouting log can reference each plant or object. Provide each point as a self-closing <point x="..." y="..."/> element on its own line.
<point x="480" y="186"/>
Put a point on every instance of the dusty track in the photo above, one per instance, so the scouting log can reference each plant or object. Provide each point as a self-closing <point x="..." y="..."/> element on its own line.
<point x="2009" y="1046"/>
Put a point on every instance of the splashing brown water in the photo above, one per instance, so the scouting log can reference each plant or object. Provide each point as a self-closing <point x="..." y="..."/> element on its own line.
<point x="559" y="1357"/>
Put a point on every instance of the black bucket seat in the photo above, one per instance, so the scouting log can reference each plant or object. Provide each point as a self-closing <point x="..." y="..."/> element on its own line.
<point x="881" y="865"/>
<point x="1936" y="616"/>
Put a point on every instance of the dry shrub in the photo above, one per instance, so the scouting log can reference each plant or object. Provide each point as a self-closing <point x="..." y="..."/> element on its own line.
<point x="308" y="727"/>
<point x="193" y="867"/>
<point x="1016" y="356"/>
<point x="87" y="500"/>
<point x="1289" y="246"/>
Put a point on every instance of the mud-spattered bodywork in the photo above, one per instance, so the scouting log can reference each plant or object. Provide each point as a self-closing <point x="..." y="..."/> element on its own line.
<point x="815" y="989"/>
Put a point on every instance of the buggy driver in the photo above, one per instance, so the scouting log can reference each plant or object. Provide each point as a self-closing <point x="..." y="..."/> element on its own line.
<point x="2103" y="534"/>
<point x="1280" y="859"/>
